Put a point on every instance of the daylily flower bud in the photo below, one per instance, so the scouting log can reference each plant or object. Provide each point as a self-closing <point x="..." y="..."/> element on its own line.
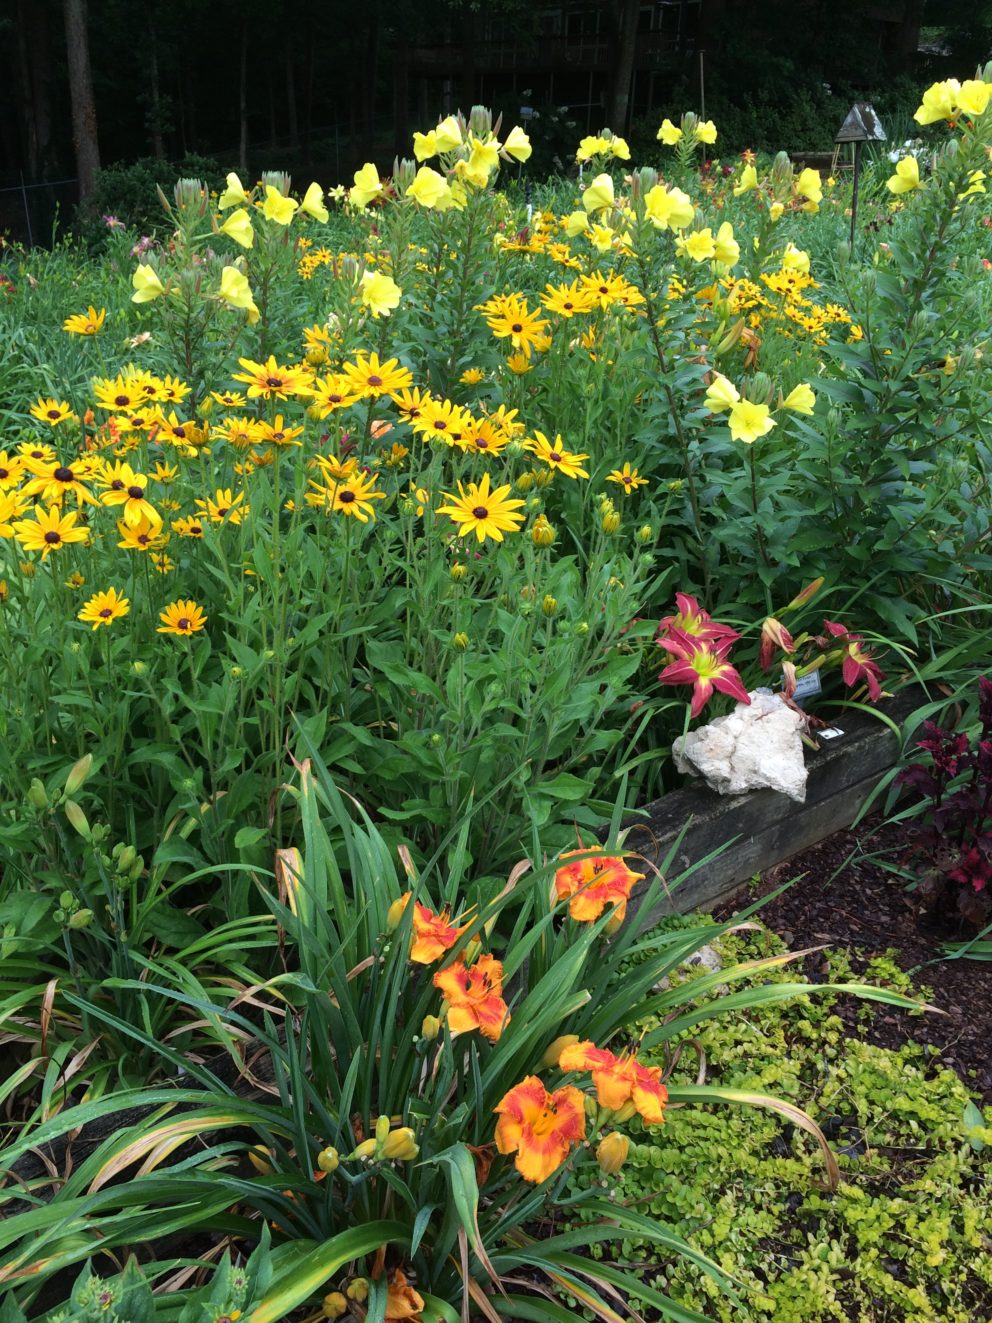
<point x="37" y="795"/>
<point x="625" y="1112"/>
<point x="126" y="858"/>
<point x="81" y="919"/>
<point x="76" y="779"/>
<point x="382" y="1129"/>
<point x="77" y="818"/>
<point x="615" y="922"/>
<point x="400" y="1145"/>
<point x="258" y="1156"/>
<point x="358" y="1290"/>
<point x="395" y="912"/>
<point x="773" y="635"/>
<point x="556" y="1048"/>
<point x="612" y="1152"/>
<point x="328" y="1160"/>
<point x="807" y="594"/>
<point x="364" y="1150"/>
<point x="430" y="1028"/>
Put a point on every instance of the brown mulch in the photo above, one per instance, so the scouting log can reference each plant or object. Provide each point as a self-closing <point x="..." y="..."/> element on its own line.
<point x="847" y="898"/>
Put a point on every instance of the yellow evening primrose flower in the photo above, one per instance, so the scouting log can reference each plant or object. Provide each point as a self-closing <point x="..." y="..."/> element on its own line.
<point x="601" y="237"/>
<point x="234" y="194"/>
<point x="775" y="211"/>
<point x="721" y="394"/>
<point x="668" y="208"/>
<point x="668" y="133"/>
<point x="428" y="188"/>
<point x="147" y="285"/>
<point x="380" y="294"/>
<point x="973" y="96"/>
<point x="808" y="186"/>
<point x="576" y="223"/>
<point x="448" y="135"/>
<point x="367" y="186"/>
<point x="278" y="208"/>
<point x="706" y="131"/>
<point x="726" y="247"/>
<point x="517" y="144"/>
<point x="238" y="227"/>
<point x="236" y="292"/>
<point x="800" y="400"/>
<point x="699" y="245"/>
<point x="748" y="421"/>
<point x="85" y="323"/>
<point x="425" y="145"/>
<point x="939" y="102"/>
<point x="906" y="177"/>
<point x="747" y="181"/>
<point x="794" y="259"/>
<point x="599" y="195"/>
<point x="313" y="204"/>
<point x="619" y="148"/>
<point x="484" y="157"/>
<point x="591" y="146"/>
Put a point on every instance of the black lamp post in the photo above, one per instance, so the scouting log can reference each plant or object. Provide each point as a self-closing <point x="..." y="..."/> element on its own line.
<point x="861" y="125"/>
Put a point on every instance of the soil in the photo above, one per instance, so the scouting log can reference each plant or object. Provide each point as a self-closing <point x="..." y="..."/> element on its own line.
<point x="846" y="897"/>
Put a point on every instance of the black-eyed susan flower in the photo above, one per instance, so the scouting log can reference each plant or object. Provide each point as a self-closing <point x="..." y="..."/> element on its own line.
<point x="351" y="496"/>
<point x="188" y="526"/>
<point x="272" y="381"/>
<point x="142" y="536"/>
<point x="162" y="563"/>
<point x="337" y="470"/>
<point x="104" y="608"/>
<point x="484" y="512"/>
<point x="370" y="378"/>
<point x="628" y="478"/>
<point x="556" y="456"/>
<point x="229" y="399"/>
<point x="54" y="480"/>
<point x="126" y="489"/>
<point x="12" y="505"/>
<point x="118" y="394"/>
<point x="11" y="470"/>
<point x="510" y="319"/>
<point x="182" y="617"/>
<point x="224" y="507"/>
<point x="38" y="450"/>
<point x="50" y="530"/>
<point x="52" y="411"/>
<point x="85" y="323"/>
<point x="165" y="473"/>
<point x="277" y="433"/>
<point x="472" y="376"/>
<point x="410" y="402"/>
<point x="172" y="390"/>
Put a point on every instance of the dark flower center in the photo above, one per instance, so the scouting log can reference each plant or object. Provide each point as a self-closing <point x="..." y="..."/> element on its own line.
<point x="374" y="381"/>
<point x="136" y="493"/>
<point x="555" y="457"/>
<point x="117" y="485"/>
<point x="4" y="473"/>
<point x="516" y="328"/>
<point x="53" y="538"/>
<point x="180" y="432"/>
<point x="54" y="413"/>
<point x="182" y="622"/>
<point x="274" y="382"/>
<point x="106" y="612"/>
<point x="122" y="401"/>
<point x="480" y="512"/>
<point x="568" y="306"/>
<point x="63" y="474"/>
<point x="196" y="529"/>
<point x="346" y="497"/>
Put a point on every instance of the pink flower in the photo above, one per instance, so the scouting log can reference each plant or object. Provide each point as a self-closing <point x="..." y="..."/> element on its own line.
<point x="690" y="619"/>
<point x="857" y="663"/>
<point x="703" y="664"/>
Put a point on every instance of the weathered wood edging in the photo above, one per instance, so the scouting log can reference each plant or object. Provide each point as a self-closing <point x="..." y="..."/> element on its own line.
<point x="769" y="827"/>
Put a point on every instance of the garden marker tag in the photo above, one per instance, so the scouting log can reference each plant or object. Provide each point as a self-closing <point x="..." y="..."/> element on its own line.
<point x="830" y="733"/>
<point x="807" y="686"/>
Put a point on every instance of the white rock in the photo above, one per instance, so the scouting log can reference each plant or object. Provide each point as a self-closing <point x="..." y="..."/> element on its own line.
<point x="755" y="747"/>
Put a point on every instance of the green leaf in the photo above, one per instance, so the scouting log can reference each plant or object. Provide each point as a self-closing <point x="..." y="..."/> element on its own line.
<point x="972" y="1120"/>
<point x="248" y="836"/>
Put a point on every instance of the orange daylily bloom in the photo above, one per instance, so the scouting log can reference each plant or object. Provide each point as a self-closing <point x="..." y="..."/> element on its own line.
<point x="475" y="996"/>
<point x="593" y="883"/>
<point x="433" y="934"/>
<point x="619" y="1080"/>
<point x="402" y="1301"/>
<point x="540" y="1127"/>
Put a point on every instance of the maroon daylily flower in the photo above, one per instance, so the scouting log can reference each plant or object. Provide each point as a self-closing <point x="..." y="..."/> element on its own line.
<point x="703" y="664"/>
<point x="690" y="619"/>
<point x="773" y="635"/>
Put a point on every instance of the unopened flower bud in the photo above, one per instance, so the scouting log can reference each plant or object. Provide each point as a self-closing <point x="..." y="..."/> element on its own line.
<point x="458" y="572"/>
<point x="81" y="919"/>
<point x="395" y="912"/>
<point x="334" y="1305"/>
<point x="524" y="482"/>
<point x="76" y="779"/>
<point x="400" y="1145"/>
<point x="364" y="1150"/>
<point x="358" y="1290"/>
<point x="645" y="533"/>
<point x="37" y="795"/>
<point x="625" y="1112"/>
<point x="480" y="121"/>
<point x="610" y="522"/>
<point x="459" y="641"/>
<point x="430" y="1028"/>
<point x="328" y="1160"/>
<point x="258" y="1156"/>
<point x="381" y="1129"/>
<point x="77" y="818"/>
<point x="556" y="1048"/>
<point x="126" y="858"/>
<point x="611" y="1153"/>
<point x="542" y="534"/>
<point x="550" y="604"/>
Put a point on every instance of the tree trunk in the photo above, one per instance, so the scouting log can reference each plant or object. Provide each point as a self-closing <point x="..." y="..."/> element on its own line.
<point x="34" y="96"/>
<point x="625" y="13"/>
<point x="84" y="129"/>
<point x="154" y="87"/>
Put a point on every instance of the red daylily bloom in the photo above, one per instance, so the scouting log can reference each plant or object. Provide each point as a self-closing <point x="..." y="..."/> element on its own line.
<point x="690" y="619"/>
<point x="619" y="1080"/>
<point x="857" y="663"/>
<point x="475" y="996"/>
<point x="702" y="664"/>
<point x="540" y="1127"/>
<point x="773" y="635"/>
